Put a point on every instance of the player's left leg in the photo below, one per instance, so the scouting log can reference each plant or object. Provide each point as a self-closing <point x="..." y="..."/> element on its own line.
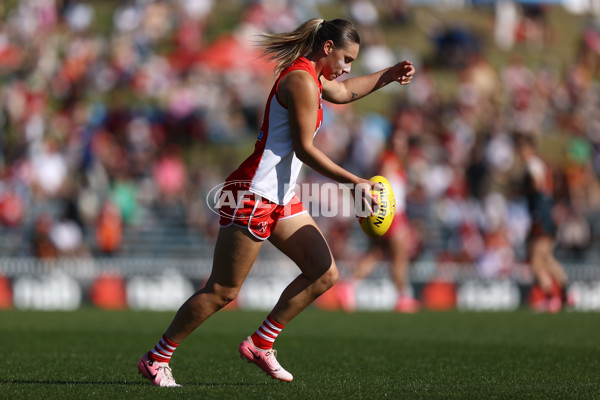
<point x="301" y="240"/>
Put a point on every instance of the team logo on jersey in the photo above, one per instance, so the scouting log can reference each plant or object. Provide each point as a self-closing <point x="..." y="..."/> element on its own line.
<point x="260" y="135"/>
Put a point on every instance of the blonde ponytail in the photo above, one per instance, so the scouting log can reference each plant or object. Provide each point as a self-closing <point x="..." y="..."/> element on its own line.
<point x="285" y="48"/>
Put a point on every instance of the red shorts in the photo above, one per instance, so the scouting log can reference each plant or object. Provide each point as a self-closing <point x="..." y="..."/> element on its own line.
<point x="256" y="213"/>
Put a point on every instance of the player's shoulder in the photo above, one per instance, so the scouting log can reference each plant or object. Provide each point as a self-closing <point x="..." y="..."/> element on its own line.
<point x="297" y="83"/>
<point x="298" y="77"/>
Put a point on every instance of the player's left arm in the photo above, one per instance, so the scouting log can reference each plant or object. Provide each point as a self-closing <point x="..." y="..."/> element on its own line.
<point x="355" y="88"/>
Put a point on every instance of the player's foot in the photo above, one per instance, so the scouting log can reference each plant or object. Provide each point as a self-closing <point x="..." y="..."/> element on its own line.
<point x="407" y="305"/>
<point x="548" y="305"/>
<point x="554" y="304"/>
<point x="265" y="359"/>
<point x="159" y="373"/>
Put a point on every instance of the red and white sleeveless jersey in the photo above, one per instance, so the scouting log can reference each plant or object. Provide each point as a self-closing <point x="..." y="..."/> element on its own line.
<point x="272" y="169"/>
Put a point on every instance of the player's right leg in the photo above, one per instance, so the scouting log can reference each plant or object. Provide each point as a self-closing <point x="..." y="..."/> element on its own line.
<point x="301" y="240"/>
<point x="235" y="252"/>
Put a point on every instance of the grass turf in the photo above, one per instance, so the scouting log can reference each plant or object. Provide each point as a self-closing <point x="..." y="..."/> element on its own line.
<point x="93" y="354"/>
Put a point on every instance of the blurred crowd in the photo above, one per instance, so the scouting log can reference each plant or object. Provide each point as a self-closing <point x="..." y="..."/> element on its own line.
<point x="131" y="124"/>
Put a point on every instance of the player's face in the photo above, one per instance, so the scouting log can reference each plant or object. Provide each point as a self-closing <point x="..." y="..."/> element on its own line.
<point x="340" y="60"/>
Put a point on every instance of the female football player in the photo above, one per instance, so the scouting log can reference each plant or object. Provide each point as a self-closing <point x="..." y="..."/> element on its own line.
<point x="308" y="60"/>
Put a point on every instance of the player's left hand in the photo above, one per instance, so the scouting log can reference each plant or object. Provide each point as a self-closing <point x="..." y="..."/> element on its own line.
<point x="403" y="72"/>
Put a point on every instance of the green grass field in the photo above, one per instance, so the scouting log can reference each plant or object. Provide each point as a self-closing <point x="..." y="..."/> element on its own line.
<point x="93" y="354"/>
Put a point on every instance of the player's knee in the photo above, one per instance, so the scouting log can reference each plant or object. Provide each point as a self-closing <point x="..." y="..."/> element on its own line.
<point x="329" y="278"/>
<point x="225" y="299"/>
<point x="223" y="295"/>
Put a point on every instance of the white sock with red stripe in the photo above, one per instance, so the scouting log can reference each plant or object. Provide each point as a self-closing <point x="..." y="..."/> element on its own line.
<point x="163" y="350"/>
<point x="265" y="335"/>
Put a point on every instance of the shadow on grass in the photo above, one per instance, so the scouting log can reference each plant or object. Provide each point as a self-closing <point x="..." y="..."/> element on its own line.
<point x="49" y="382"/>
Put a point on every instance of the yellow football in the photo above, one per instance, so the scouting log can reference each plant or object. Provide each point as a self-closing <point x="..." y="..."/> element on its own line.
<point x="377" y="225"/>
